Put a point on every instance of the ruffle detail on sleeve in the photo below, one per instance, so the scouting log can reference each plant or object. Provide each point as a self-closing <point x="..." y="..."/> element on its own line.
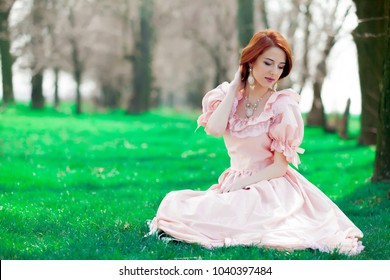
<point x="287" y="128"/>
<point x="290" y="152"/>
<point x="211" y="101"/>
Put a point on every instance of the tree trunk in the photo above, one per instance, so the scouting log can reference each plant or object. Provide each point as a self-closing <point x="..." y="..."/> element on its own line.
<point x="264" y="14"/>
<point x="77" y="73"/>
<point x="343" y="123"/>
<point x="370" y="43"/>
<point x="306" y="45"/>
<point x="77" y="64"/>
<point x="382" y="157"/>
<point x="245" y="21"/>
<point x="77" y="76"/>
<point x="36" y="44"/>
<point x="6" y="58"/>
<point x="316" y="116"/>
<point x="141" y="62"/>
<point x="110" y="96"/>
<point x="37" y="99"/>
<point x="56" y="94"/>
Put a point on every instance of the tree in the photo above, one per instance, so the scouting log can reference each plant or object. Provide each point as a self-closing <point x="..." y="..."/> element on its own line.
<point x="332" y="31"/>
<point x="107" y="65"/>
<point x="37" y="99"/>
<point x="71" y="37"/>
<point x="263" y="14"/>
<point x="56" y="91"/>
<point x="41" y="44"/>
<point x="213" y="31"/>
<point x="74" y="40"/>
<point x="141" y="61"/>
<point x="382" y="157"/>
<point x="307" y="19"/>
<point x="51" y="8"/>
<point x="370" y="43"/>
<point x="245" y="22"/>
<point x="6" y="57"/>
<point x="78" y="66"/>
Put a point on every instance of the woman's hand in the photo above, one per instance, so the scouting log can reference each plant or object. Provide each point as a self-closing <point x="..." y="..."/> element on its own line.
<point x="238" y="185"/>
<point x="236" y="84"/>
<point x="275" y="170"/>
<point x="237" y="77"/>
<point x="218" y="121"/>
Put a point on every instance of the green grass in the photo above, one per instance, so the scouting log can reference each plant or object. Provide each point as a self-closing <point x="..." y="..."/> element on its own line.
<point x="82" y="187"/>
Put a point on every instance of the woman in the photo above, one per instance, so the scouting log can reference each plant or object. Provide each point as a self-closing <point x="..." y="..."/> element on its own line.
<point x="260" y="200"/>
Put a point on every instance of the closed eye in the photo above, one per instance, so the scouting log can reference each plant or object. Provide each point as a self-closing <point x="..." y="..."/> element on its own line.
<point x="270" y="63"/>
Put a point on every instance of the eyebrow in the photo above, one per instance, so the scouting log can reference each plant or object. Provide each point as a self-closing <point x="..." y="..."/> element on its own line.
<point x="274" y="60"/>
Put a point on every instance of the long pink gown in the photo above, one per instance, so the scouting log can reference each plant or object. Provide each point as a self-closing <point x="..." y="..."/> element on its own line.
<point x="285" y="213"/>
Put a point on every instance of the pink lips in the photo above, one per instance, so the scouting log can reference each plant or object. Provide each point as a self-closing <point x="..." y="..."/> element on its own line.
<point x="270" y="80"/>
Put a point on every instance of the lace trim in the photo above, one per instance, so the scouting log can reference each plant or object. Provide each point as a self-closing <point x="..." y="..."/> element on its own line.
<point x="242" y="128"/>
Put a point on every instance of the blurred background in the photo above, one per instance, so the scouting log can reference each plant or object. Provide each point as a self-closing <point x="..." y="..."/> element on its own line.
<point x="136" y="55"/>
<point x="172" y="52"/>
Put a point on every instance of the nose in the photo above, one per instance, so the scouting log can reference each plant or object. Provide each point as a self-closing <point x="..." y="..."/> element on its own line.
<point x="275" y="70"/>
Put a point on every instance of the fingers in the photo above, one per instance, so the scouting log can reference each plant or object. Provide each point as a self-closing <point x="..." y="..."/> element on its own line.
<point x="232" y="188"/>
<point x="237" y="75"/>
<point x="237" y="82"/>
<point x="227" y="188"/>
<point x="223" y="189"/>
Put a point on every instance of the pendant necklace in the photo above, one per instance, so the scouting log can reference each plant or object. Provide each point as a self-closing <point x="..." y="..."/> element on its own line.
<point x="250" y="108"/>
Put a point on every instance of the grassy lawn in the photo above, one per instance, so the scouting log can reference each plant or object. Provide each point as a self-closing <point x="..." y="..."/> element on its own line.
<point x="83" y="187"/>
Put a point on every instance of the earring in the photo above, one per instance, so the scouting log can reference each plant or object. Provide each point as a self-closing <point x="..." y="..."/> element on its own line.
<point x="251" y="80"/>
<point x="275" y="86"/>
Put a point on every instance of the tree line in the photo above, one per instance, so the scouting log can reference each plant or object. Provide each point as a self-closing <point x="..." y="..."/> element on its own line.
<point x="143" y="53"/>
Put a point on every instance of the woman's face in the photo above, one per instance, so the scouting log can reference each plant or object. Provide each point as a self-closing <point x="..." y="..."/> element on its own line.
<point x="268" y="67"/>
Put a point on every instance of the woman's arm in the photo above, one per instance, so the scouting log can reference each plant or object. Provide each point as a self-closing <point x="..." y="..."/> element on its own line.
<point x="217" y="122"/>
<point x="277" y="169"/>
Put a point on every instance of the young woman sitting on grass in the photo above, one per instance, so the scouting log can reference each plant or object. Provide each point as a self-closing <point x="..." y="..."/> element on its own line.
<point x="260" y="200"/>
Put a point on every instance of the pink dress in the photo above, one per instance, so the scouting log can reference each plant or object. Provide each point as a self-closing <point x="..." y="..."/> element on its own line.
<point x="285" y="213"/>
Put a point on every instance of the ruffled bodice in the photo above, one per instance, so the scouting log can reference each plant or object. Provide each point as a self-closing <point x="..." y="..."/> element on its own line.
<point x="251" y="141"/>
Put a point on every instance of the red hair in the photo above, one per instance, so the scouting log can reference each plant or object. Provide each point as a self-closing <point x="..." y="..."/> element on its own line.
<point x="259" y="43"/>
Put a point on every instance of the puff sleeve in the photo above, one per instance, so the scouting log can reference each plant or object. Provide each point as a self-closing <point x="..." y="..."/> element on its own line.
<point x="211" y="101"/>
<point x="287" y="128"/>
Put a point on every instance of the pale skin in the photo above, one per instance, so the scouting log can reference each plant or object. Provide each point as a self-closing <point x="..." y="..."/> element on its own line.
<point x="266" y="69"/>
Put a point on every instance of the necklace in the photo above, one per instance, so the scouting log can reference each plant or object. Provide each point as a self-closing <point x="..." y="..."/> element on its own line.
<point x="250" y="108"/>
